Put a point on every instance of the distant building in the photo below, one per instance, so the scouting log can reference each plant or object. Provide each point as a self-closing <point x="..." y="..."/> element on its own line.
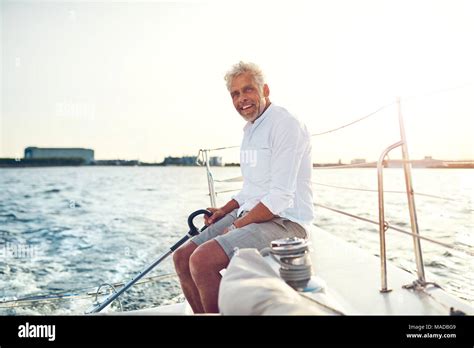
<point x="180" y="161"/>
<point x="216" y="161"/>
<point x="188" y="160"/>
<point x="358" y="161"/>
<point x="42" y="152"/>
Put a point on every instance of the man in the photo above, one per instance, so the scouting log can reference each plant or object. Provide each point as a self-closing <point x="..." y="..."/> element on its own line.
<point x="275" y="201"/>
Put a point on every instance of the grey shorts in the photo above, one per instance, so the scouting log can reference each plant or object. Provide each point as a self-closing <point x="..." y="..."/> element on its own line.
<point x="256" y="235"/>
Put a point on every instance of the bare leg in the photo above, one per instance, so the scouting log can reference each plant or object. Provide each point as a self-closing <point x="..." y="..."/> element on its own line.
<point x="181" y="263"/>
<point x="205" y="263"/>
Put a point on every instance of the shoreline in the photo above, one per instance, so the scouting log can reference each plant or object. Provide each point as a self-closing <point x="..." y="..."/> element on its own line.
<point x="315" y="166"/>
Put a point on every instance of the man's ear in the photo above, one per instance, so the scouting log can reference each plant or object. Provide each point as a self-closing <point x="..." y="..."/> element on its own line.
<point x="266" y="91"/>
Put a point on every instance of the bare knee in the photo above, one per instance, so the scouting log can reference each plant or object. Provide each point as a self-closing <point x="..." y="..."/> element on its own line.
<point x="207" y="258"/>
<point x="181" y="257"/>
<point x="198" y="260"/>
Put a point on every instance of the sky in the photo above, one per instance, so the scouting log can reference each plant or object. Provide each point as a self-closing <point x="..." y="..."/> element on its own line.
<point x="144" y="80"/>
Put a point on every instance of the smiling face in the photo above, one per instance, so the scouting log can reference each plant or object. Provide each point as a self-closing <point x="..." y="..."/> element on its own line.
<point x="249" y="101"/>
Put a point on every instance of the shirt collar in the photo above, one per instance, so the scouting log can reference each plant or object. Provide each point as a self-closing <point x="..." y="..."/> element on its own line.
<point x="260" y="119"/>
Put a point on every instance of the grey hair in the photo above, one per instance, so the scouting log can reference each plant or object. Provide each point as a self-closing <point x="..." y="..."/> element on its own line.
<point x="243" y="67"/>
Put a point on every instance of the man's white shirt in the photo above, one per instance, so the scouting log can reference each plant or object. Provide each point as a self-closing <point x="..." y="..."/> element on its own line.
<point x="276" y="164"/>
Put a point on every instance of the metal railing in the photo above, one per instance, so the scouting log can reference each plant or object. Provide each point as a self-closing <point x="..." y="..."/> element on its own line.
<point x="411" y="206"/>
<point x="203" y="158"/>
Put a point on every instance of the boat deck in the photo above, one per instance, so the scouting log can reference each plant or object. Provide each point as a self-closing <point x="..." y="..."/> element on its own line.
<point x="353" y="277"/>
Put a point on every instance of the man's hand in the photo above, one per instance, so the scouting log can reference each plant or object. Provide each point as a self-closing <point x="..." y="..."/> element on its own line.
<point x="217" y="214"/>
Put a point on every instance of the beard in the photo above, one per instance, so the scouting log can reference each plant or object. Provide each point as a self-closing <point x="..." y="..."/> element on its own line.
<point x="251" y="117"/>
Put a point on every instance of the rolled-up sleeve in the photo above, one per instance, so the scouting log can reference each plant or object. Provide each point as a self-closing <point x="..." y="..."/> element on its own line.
<point x="288" y="144"/>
